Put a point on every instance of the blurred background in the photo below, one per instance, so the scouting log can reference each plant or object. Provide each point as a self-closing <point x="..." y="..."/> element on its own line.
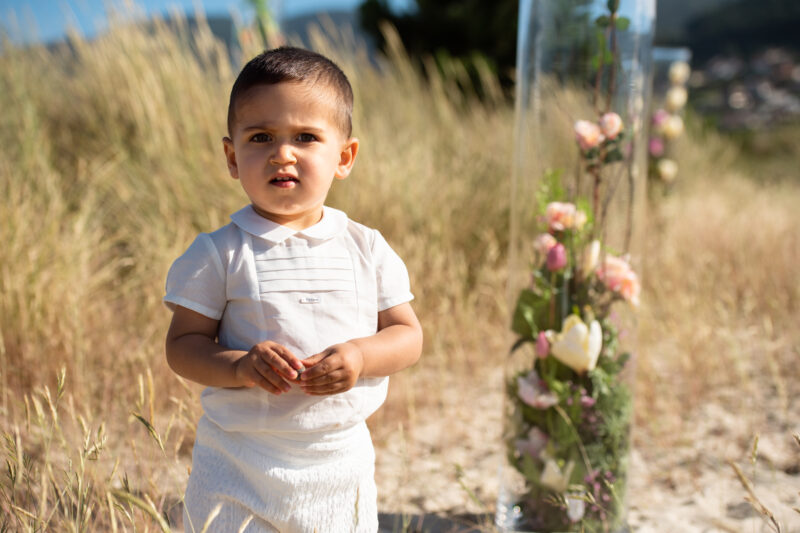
<point x="111" y="162"/>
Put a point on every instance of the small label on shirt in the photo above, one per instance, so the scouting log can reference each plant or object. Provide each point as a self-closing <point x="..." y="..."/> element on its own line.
<point x="310" y="300"/>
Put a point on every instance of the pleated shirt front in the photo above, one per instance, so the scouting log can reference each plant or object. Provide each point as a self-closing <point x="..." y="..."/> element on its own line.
<point x="307" y="290"/>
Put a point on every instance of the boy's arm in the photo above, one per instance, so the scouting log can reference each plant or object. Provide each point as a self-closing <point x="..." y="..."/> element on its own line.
<point x="396" y="345"/>
<point x="193" y="352"/>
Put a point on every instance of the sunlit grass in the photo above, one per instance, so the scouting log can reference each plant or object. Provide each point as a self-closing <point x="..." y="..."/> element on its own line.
<point x="111" y="162"/>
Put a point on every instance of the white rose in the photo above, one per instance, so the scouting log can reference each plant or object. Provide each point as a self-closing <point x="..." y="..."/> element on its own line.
<point x="553" y="478"/>
<point x="578" y="345"/>
<point x="676" y="98"/>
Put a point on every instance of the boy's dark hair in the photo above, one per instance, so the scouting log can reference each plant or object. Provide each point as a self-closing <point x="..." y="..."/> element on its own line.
<point x="290" y="64"/>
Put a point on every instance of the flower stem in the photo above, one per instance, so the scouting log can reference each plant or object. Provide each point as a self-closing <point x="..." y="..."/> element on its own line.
<point x="584" y="455"/>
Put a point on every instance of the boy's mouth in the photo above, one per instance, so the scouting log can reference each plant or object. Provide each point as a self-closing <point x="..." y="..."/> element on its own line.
<point x="284" y="181"/>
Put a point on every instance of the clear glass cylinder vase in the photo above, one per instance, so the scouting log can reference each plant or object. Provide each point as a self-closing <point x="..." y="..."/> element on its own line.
<point x="577" y="214"/>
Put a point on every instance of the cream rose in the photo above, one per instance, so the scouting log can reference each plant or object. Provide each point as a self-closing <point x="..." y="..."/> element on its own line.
<point x="578" y="345"/>
<point x="619" y="277"/>
<point x="588" y="134"/>
<point x="560" y="216"/>
<point x="679" y="72"/>
<point x="676" y="98"/>
<point x="672" y="128"/>
<point x="667" y="169"/>
<point x="610" y="125"/>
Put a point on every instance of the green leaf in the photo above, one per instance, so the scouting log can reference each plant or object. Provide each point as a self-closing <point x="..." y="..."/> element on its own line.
<point x="150" y="429"/>
<point x="524" y="321"/>
<point x="603" y="21"/>
<point x="613" y="155"/>
<point x="613" y="5"/>
<point x="600" y="35"/>
<point x="623" y="23"/>
<point x="529" y="469"/>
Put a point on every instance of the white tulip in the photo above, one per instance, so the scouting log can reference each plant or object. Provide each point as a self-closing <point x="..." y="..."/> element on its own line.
<point x="676" y="98"/>
<point x="591" y="255"/>
<point x="578" y="345"/>
<point x="553" y="478"/>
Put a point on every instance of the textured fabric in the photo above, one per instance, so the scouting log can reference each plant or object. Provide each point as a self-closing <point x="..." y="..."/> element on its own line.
<point x="297" y="483"/>
<point x="295" y="462"/>
<point x="306" y="290"/>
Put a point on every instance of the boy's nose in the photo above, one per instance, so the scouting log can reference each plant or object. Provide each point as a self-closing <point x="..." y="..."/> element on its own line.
<point x="282" y="155"/>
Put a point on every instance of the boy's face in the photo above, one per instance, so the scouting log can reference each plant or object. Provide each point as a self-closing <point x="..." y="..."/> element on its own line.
<point x="286" y="149"/>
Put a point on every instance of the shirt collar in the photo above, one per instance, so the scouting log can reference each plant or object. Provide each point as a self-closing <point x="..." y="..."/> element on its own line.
<point x="332" y="223"/>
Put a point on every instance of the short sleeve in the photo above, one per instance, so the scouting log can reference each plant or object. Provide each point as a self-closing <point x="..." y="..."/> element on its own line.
<point x="196" y="280"/>
<point x="394" y="287"/>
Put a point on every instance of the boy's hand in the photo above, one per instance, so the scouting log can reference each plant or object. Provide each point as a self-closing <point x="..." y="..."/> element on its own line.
<point x="268" y="365"/>
<point x="333" y="370"/>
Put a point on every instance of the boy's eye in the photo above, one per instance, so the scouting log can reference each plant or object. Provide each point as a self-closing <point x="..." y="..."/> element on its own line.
<point x="260" y="138"/>
<point x="306" y="138"/>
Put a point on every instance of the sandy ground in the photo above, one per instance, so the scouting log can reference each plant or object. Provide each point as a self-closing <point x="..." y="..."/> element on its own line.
<point x="447" y="466"/>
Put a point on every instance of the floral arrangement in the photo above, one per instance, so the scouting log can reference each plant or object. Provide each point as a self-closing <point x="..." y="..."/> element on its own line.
<point x="667" y="126"/>
<point x="570" y="407"/>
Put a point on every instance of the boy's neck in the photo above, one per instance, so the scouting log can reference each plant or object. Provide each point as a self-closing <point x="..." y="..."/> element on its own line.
<point x="296" y="222"/>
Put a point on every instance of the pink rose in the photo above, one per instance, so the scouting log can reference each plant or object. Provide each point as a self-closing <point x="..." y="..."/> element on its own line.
<point x="542" y="345"/>
<point x="556" y="258"/>
<point x="543" y="243"/>
<point x="659" y="117"/>
<point x="656" y="147"/>
<point x="610" y="125"/>
<point x="563" y="215"/>
<point x="534" y="444"/>
<point x="588" y="134"/>
<point x="534" y="392"/>
<point x="619" y="277"/>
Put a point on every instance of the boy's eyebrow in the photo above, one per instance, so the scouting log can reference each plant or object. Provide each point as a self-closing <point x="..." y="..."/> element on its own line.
<point x="313" y="129"/>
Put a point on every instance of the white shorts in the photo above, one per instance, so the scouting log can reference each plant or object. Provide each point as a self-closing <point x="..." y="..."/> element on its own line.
<point x="299" y="483"/>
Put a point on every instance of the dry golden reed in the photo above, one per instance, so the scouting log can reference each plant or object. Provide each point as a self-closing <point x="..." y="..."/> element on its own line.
<point x="111" y="161"/>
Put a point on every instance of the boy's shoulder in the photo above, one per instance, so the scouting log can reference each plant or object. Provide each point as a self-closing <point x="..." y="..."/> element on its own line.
<point x="361" y="233"/>
<point x="223" y="237"/>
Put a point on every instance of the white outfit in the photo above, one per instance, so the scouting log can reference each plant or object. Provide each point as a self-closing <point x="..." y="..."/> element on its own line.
<point x="295" y="462"/>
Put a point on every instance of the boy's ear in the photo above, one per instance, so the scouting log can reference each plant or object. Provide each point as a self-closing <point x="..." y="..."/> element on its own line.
<point x="230" y="157"/>
<point x="347" y="158"/>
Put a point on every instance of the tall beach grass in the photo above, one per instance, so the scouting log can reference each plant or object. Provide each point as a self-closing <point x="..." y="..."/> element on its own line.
<point x="111" y="161"/>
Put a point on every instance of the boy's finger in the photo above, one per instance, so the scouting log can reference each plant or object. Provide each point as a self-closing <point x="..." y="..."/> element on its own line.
<point x="268" y="374"/>
<point x="269" y="386"/>
<point x="316" y="358"/>
<point x="294" y="362"/>
<point x="319" y="370"/>
<point x="276" y="361"/>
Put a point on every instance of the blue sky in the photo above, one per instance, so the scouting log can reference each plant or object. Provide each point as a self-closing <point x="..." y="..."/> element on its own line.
<point x="46" y="20"/>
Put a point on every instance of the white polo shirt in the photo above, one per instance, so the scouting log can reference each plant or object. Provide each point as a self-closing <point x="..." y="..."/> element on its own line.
<point x="306" y="290"/>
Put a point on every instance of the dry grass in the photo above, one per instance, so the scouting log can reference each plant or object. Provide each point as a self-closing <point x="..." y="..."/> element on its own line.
<point x="111" y="161"/>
